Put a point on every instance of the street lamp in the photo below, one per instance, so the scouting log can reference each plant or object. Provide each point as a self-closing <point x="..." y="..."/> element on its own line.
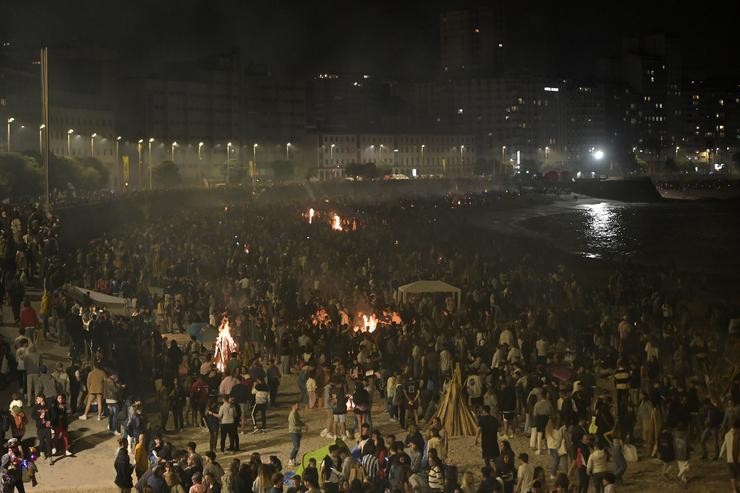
<point x="598" y="154"/>
<point x="92" y="144"/>
<point x="422" y="154"/>
<point x="547" y="153"/>
<point x="69" y="141"/>
<point x="228" y="161"/>
<point x="676" y="152"/>
<point x="118" y="141"/>
<point x="10" y="120"/>
<point x="380" y="154"/>
<point x="254" y="165"/>
<point x="200" y="147"/>
<point x="287" y="151"/>
<point x="139" y="147"/>
<point x="41" y="138"/>
<point x="331" y="153"/>
<point x="172" y="151"/>
<point x="151" y="139"/>
<point x="462" y="148"/>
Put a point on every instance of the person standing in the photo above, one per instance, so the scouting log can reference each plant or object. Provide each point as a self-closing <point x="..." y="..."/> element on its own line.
<point x="227" y="419"/>
<point x="124" y="468"/>
<point x="43" y="417"/>
<point x="296" y="427"/>
<point x="60" y="424"/>
<point x="95" y="388"/>
<point x="112" y="396"/>
<point x="731" y="447"/>
<point x="212" y="423"/>
<point x="542" y="411"/>
<point x="273" y="382"/>
<point x="260" y="393"/>
<point x="177" y="405"/>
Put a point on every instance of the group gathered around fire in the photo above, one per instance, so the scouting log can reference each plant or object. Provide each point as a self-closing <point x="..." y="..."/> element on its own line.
<point x="247" y="314"/>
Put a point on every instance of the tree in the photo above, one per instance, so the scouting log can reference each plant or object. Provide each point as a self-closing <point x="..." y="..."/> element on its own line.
<point x="362" y="170"/>
<point x="19" y="175"/>
<point x="166" y="174"/>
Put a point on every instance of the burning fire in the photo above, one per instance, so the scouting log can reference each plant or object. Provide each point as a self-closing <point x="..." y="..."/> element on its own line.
<point x="320" y="317"/>
<point x="365" y="323"/>
<point x="336" y="223"/>
<point x="225" y="345"/>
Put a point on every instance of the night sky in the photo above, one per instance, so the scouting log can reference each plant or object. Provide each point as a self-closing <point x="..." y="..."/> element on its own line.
<point x="397" y="38"/>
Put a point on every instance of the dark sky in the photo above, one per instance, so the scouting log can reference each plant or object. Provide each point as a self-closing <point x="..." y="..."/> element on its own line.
<point x="394" y="37"/>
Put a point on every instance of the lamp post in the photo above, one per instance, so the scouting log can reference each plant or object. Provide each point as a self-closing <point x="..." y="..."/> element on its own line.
<point x="200" y="148"/>
<point x="41" y="138"/>
<point x="10" y="121"/>
<point x="380" y="154"/>
<point x="462" y="149"/>
<point x="547" y="153"/>
<point x="676" y="153"/>
<point x="92" y="144"/>
<point x="287" y="151"/>
<point x="331" y="153"/>
<point x="228" y="162"/>
<point x="254" y="166"/>
<point x="139" y="147"/>
<point x="118" y="141"/>
<point x="422" y="154"/>
<point x="69" y="141"/>
<point x="151" y="139"/>
<point x="172" y="151"/>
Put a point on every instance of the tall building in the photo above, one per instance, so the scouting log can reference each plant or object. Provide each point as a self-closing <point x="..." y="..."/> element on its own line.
<point x="515" y="119"/>
<point x="472" y="41"/>
<point x="651" y="66"/>
<point x="189" y="101"/>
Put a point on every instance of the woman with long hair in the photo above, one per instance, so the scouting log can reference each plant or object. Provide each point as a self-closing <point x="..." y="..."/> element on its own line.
<point x="435" y="472"/>
<point x="60" y="423"/>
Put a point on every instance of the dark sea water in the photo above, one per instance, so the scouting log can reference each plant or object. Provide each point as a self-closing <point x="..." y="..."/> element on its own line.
<point x="690" y="236"/>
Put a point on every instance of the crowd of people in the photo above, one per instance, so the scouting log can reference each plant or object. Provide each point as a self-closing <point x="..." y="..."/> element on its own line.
<point x="594" y="367"/>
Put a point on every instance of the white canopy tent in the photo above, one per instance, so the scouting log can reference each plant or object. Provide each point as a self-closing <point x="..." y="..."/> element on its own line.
<point x="420" y="287"/>
<point x="114" y="304"/>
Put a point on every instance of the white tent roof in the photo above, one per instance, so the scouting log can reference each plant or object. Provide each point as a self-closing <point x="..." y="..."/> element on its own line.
<point x="428" y="287"/>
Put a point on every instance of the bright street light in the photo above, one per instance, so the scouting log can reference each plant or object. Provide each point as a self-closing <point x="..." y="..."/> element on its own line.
<point x="69" y="141"/>
<point x="174" y="144"/>
<point x="92" y="144"/>
<point x="287" y="151"/>
<point x="10" y="120"/>
<point x="41" y="138"/>
<point x="200" y="147"/>
<point x="151" y="139"/>
<point x="598" y="154"/>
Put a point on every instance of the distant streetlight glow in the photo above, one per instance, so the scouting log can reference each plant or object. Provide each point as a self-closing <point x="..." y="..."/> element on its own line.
<point x="92" y="144"/>
<point x="287" y="151"/>
<point x="200" y="148"/>
<point x="151" y="139"/>
<point x="69" y="141"/>
<point x="598" y="154"/>
<point x="41" y="138"/>
<point x="10" y="121"/>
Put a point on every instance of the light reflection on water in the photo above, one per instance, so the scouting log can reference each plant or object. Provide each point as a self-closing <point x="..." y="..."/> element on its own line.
<point x="697" y="237"/>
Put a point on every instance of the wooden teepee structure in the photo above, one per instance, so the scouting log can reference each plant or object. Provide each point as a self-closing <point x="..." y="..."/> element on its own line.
<point x="453" y="411"/>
